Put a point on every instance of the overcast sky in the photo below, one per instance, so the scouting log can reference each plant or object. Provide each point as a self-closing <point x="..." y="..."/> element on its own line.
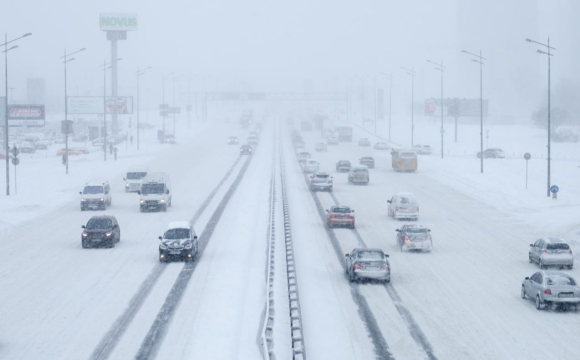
<point x="275" y="45"/>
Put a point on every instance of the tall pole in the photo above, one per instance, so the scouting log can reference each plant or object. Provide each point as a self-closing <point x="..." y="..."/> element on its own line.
<point x="138" y="76"/>
<point x="390" y="103"/>
<point x="164" y="111"/>
<point x="105" y="109"/>
<point x="6" y="145"/>
<point x="65" y="115"/>
<point x="442" y="129"/>
<point x="412" y="107"/>
<point x="375" y="83"/>
<point x="363" y="102"/>
<point x="188" y="106"/>
<point x="173" y="105"/>
<point x="115" y="123"/>
<point x="549" y="119"/>
<point x="481" y="105"/>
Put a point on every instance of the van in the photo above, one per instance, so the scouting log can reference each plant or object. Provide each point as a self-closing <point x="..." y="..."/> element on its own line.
<point x="311" y="166"/>
<point x="134" y="178"/>
<point x="96" y="196"/>
<point x="358" y="174"/>
<point x="155" y="193"/>
<point x="404" y="160"/>
<point x="404" y="206"/>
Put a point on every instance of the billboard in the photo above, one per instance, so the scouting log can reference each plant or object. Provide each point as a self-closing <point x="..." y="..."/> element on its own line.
<point x="94" y="104"/>
<point x="25" y="115"/>
<point x="118" y="22"/>
<point x="456" y="107"/>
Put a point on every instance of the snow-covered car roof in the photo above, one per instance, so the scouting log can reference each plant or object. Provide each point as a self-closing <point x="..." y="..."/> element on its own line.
<point x="367" y="157"/>
<point x="555" y="240"/>
<point x="179" y="225"/>
<point x="322" y="173"/>
<point x="94" y="183"/>
<point x="406" y="194"/>
<point x="359" y="167"/>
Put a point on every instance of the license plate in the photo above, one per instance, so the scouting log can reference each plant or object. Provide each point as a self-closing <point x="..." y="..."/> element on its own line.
<point x="371" y="267"/>
<point x="175" y="252"/>
<point x="566" y="295"/>
<point x="152" y="207"/>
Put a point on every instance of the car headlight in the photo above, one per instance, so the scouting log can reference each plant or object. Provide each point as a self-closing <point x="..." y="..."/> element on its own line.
<point x="82" y="200"/>
<point x="108" y="234"/>
<point x="162" y="201"/>
<point x="188" y="245"/>
<point x="102" y="199"/>
<point x="162" y="246"/>
<point x="126" y="185"/>
<point x="142" y="201"/>
<point x="85" y="235"/>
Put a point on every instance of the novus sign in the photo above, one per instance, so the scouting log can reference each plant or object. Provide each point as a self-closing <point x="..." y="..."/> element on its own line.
<point x="119" y="22"/>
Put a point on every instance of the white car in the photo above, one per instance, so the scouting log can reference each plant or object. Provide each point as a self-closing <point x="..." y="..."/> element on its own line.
<point x="320" y="147"/>
<point x="96" y="196"/>
<point x="303" y="156"/>
<point x="332" y="141"/>
<point x="311" y="166"/>
<point x="404" y="206"/>
<point x="320" y="181"/>
<point x="551" y="252"/>
<point x="134" y="178"/>
<point x="422" y="149"/>
<point x="155" y="192"/>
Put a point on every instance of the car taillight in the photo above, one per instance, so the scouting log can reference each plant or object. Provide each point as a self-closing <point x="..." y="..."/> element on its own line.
<point x="417" y="209"/>
<point x="396" y="208"/>
<point x="333" y="216"/>
<point x="385" y="267"/>
<point x="545" y="251"/>
<point x="430" y="239"/>
<point x="330" y="181"/>
<point x="356" y="266"/>
<point x="350" y="217"/>
<point x="407" y="239"/>
<point x="570" y="251"/>
<point x="548" y="292"/>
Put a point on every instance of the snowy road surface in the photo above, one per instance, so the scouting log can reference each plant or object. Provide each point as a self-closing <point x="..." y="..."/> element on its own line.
<point x="461" y="301"/>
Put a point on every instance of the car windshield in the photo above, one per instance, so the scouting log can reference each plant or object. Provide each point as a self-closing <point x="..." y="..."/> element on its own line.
<point x="93" y="190"/>
<point x="176" y="234"/>
<point x="359" y="170"/>
<point x="370" y="255"/>
<point x="366" y="158"/>
<point x="404" y="200"/>
<point x="558" y="246"/>
<point x="559" y="280"/>
<point x="147" y="189"/>
<point x="341" y="210"/>
<point x="136" y="175"/>
<point x="407" y="155"/>
<point x="99" y="224"/>
<point x="322" y="176"/>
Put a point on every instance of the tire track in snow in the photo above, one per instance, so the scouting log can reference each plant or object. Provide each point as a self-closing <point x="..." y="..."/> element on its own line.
<point x="381" y="348"/>
<point x="414" y="329"/>
<point x="113" y="336"/>
<point x="154" y="337"/>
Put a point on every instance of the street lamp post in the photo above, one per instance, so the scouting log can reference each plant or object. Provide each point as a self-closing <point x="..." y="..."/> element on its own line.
<point x="65" y="56"/>
<point x="548" y="47"/>
<point x="6" y="145"/>
<point x="390" y="78"/>
<point x="412" y="74"/>
<point x="440" y="68"/>
<point x="140" y="72"/>
<point x="479" y="59"/>
<point x="164" y="111"/>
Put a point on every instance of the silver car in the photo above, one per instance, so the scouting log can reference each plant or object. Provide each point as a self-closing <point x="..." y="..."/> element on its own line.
<point x="551" y="287"/>
<point x="368" y="264"/>
<point x="551" y="252"/>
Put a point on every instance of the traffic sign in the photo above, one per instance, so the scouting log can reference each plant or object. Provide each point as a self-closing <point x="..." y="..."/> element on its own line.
<point x="15" y="151"/>
<point x="15" y="161"/>
<point x="527" y="156"/>
<point x="554" y="189"/>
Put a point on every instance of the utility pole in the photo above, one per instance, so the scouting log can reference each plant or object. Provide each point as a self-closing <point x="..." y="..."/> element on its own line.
<point x="479" y="59"/>
<point x="411" y="72"/>
<point x="441" y="69"/>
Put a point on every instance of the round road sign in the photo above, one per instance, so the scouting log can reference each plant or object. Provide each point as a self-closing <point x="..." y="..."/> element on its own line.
<point x="15" y="161"/>
<point x="527" y="156"/>
<point x="554" y="189"/>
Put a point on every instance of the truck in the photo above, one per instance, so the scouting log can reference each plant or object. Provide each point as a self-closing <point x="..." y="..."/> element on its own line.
<point x="344" y="133"/>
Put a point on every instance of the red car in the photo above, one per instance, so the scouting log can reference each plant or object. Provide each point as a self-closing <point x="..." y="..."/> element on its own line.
<point x="340" y="215"/>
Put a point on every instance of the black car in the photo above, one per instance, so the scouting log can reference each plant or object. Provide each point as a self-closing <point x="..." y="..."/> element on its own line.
<point x="246" y="150"/>
<point x="101" y="231"/>
<point x="368" y="161"/>
<point x="343" y="166"/>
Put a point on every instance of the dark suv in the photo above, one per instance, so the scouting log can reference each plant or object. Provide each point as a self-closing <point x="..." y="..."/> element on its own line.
<point x="101" y="231"/>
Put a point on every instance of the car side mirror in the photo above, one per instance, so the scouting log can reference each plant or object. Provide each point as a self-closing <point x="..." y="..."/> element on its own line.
<point x="195" y="237"/>
<point x="346" y="255"/>
<point x="139" y="192"/>
<point x="167" y="191"/>
<point x="389" y="201"/>
<point x="398" y="230"/>
<point x="326" y="210"/>
<point x="352" y="211"/>
<point x="124" y="179"/>
<point x="429" y="230"/>
<point x="82" y="226"/>
<point x="161" y="238"/>
<point x="80" y="192"/>
<point x="386" y="255"/>
<point x="532" y="245"/>
<point x="527" y="278"/>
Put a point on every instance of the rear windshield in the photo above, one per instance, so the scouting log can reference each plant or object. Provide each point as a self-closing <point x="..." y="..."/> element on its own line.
<point x="176" y="234"/>
<point x="370" y="255"/>
<point x="324" y="176"/>
<point x="367" y="158"/>
<point x="99" y="224"/>
<point x="136" y="175"/>
<point x="558" y="247"/>
<point x="560" y="280"/>
<point x="341" y="210"/>
<point x="417" y="230"/>
<point x="360" y="170"/>
<point x="93" y="190"/>
<point x="407" y="155"/>
<point x="404" y="200"/>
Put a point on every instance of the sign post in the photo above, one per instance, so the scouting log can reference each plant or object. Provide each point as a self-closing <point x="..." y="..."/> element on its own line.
<point x="15" y="162"/>
<point x="554" y="190"/>
<point x="527" y="156"/>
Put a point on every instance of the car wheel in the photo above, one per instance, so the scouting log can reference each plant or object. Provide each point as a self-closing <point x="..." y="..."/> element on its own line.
<point x="351" y="277"/>
<point x="539" y="304"/>
<point x="523" y="292"/>
<point x="111" y="244"/>
<point x="570" y="267"/>
<point x="352" y="226"/>
<point x="401" y="246"/>
<point x="541" y="264"/>
<point x="82" y="208"/>
<point x="141" y="209"/>
<point x="388" y="280"/>
<point x="530" y="258"/>
<point x="110" y="202"/>
<point x="84" y="244"/>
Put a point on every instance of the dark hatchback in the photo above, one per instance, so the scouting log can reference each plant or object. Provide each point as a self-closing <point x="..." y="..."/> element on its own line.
<point x="101" y="231"/>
